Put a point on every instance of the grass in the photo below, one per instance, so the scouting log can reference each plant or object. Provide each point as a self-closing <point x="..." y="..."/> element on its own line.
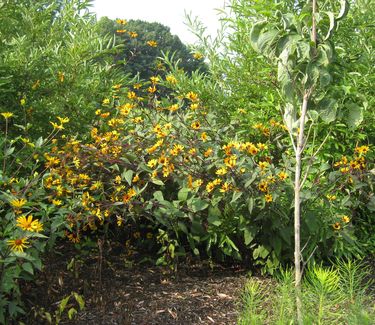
<point x="331" y="295"/>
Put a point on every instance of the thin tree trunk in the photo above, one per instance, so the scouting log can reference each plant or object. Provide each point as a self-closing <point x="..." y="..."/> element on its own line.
<point x="297" y="207"/>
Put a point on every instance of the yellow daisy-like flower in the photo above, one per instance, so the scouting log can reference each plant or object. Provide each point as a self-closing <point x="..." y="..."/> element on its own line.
<point x="192" y="96"/>
<point x="268" y="197"/>
<point x="121" y="21"/>
<point x="133" y="34"/>
<point x="25" y="223"/>
<point x="263" y="164"/>
<point x="263" y="186"/>
<point x="152" y="163"/>
<point x="331" y="197"/>
<point x="196" y="125"/>
<point x="210" y="187"/>
<point x="7" y="115"/>
<point x="198" y="56"/>
<point x="171" y="79"/>
<point x="18" y="203"/>
<point x="225" y="187"/>
<point x="230" y="161"/>
<point x="362" y="149"/>
<point x="121" y="31"/>
<point x="57" y="202"/>
<point x="208" y="152"/>
<point x="152" y="43"/>
<point x="282" y="175"/>
<point x="345" y="219"/>
<point x="18" y="244"/>
<point x="135" y="178"/>
<point x="336" y="226"/>
<point x="204" y="136"/>
<point x="221" y="171"/>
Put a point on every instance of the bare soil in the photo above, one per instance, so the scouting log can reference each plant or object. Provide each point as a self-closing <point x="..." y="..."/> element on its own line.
<point x="119" y="292"/>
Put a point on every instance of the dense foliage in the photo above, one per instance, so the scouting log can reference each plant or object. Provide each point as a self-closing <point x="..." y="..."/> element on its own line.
<point x="178" y="162"/>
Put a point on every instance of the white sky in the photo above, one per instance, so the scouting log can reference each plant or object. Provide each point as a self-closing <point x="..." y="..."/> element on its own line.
<point x="167" y="12"/>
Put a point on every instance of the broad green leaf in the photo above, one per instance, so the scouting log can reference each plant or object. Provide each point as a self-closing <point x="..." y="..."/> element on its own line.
<point x="249" y="234"/>
<point x="183" y="194"/>
<point x="158" y="195"/>
<point x="328" y="109"/>
<point x="353" y="115"/>
<point x="199" y="205"/>
<point x="28" y="267"/>
<point x="343" y="10"/>
<point x="128" y="175"/>
<point x="332" y="24"/>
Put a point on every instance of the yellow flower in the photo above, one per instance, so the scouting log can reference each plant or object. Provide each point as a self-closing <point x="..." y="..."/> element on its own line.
<point x="154" y="79"/>
<point x="210" y="187"/>
<point x="152" y="163"/>
<point x="262" y="146"/>
<point x="57" y="202"/>
<point x="135" y="178"/>
<point x="217" y="181"/>
<point x="149" y="235"/>
<point x="18" y="203"/>
<point x="152" y="43"/>
<point x="362" y="149"/>
<point x="221" y="171"/>
<point x="133" y="34"/>
<point x="225" y="187"/>
<point x="345" y="219"/>
<point x="18" y="244"/>
<point x="196" y="125"/>
<point x="118" y="179"/>
<point x="197" y="183"/>
<point x="208" y="152"/>
<point x="28" y="224"/>
<point x="63" y="120"/>
<point x="268" y="197"/>
<point x="204" y="136"/>
<point x="132" y="95"/>
<point x="61" y="76"/>
<point x="331" y="197"/>
<point x="121" y="21"/>
<point x="7" y="115"/>
<point x="253" y="150"/>
<point x="106" y="101"/>
<point x="121" y="31"/>
<point x="192" y="96"/>
<point x="25" y="223"/>
<point x="171" y="79"/>
<point x="336" y="226"/>
<point x="230" y="161"/>
<point x="198" y="56"/>
<point x="263" y="164"/>
<point x="56" y="126"/>
<point x="263" y="186"/>
<point x="282" y="175"/>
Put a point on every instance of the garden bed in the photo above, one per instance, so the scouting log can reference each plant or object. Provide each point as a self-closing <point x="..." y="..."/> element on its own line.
<point x="123" y="293"/>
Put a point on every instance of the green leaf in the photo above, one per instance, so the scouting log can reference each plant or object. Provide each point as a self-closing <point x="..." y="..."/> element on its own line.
<point x="354" y="115"/>
<point x="28" y="267"/>
<point x="250" y="204"/>
<point x="214" y="215"/>
<point x="199" y="205"/>
<point x="71" y="312"/>
<point x="157" y="182"/>
<point x="328" y="109"/>
<point x="249" y="234"/>
<point x="236" y="196"/>
<point x="183" y="194"/>
<point x="343" y="10"/>
<point x="255" y="33"/>
<point x="63" y="303"/>
<point x="39" y="142"/>
<point x="290" y="116"/>
<point x="128" y="175"/>
<point x="9" y="151"/>
<point x="80" y="300"/>
<point x="332" y="24"/>
<point x="158" y="195"/>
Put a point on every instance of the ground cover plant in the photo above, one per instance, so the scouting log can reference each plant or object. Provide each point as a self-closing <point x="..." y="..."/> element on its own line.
<point x="184" y="165"/>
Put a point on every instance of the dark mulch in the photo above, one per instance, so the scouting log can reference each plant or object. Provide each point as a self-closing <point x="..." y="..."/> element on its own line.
<point x="123" y="294"/>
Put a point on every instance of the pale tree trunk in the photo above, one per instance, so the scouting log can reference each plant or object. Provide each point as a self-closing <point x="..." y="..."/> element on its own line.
<point x="297" y="183"/>
<point x="297" y="205"/>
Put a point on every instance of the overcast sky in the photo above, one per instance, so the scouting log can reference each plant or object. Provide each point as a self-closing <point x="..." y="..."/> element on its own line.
<point x="167" y="12"/>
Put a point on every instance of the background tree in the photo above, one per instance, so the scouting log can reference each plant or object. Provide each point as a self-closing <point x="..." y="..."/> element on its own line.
<point x="142" y="44"/>
<point x="52" y="62"/>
